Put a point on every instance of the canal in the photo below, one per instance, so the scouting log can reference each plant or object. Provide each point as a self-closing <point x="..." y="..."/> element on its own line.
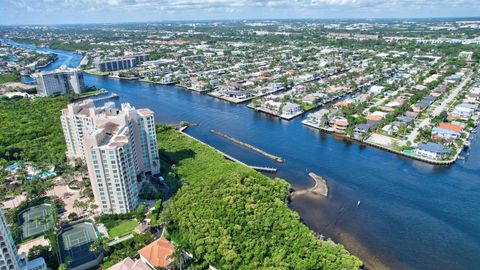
<point x="412" y="215"/>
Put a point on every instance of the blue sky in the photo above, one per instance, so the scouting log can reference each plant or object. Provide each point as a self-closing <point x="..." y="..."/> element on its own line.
<point x="99" y="11"/>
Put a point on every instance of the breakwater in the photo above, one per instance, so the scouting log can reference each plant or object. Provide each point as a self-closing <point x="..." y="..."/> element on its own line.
<point x="251" y="147"/>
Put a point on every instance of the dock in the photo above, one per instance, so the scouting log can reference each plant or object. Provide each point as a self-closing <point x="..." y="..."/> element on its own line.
<point x="246" y="145"/>
<point x="112" y="96"/>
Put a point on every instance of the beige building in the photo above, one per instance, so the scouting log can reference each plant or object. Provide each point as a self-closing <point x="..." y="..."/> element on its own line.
<point x="119" y="146"/>
<point x="9" y="259"/>
<point x="59" y="81"/>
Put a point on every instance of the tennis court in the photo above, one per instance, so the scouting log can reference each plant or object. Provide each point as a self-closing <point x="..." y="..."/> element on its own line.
<point x="74" y="241"/>
<point x="35" y="220"/>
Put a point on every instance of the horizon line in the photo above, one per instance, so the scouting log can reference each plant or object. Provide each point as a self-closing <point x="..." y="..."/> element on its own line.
<point x="239" y="20"/>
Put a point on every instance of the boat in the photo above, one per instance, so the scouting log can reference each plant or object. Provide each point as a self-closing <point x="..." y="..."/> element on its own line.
<point x="358" y="203"/>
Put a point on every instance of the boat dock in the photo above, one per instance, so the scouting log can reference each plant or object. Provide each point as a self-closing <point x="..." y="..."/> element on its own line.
<point x="112" y="96"/>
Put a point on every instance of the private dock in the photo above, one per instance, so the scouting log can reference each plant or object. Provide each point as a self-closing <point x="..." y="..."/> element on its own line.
<point x="251" y="147"/>
<point x="112" y="96"/>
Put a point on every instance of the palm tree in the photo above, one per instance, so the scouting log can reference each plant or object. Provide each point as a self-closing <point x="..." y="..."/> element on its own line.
<point x="66" y="264"/>
<point x="76" y="205"/>
<point x="99" y="245"/>
<point x="178" y="259"/>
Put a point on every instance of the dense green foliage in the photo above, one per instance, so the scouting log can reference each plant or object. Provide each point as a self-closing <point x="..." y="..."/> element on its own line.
<point x="125" y="249"/>
<point x="232" y="217"/>
<point x="31" y="129"/>
<point x="9" y="77"/>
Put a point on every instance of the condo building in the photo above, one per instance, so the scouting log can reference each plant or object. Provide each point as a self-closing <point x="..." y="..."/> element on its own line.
<point x="118" y="146"/>
<point x="59" y="81"/>
<point x="9" y="259"/>
<point x="121" y="63"/>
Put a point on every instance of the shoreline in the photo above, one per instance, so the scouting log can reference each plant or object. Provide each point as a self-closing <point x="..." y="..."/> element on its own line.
<point x="384" y="148"/>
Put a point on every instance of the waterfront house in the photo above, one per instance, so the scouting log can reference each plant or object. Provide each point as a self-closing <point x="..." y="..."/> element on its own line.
<point x="271" y="105"/>
<point x="319" y="118"/>
<point x="291" y="109"/>
<point x="166" y="80"/>
<point x="432" y="151"/>
<point x="238" y="94"/>
<point x="339" y="125"/>
<point x="199" y="85"/>
<point x="361" y="129"/>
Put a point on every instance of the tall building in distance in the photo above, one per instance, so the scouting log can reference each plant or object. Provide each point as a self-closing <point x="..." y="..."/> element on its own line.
<point x="59" y="81"/>
<point x="120" y="63"/>
<point x="9" y="258"/>
<point x="118" y="146"/>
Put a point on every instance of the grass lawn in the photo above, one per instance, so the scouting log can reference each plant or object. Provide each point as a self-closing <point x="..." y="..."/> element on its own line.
<point x="123" y="228"/>
<point x="95" y="72"/>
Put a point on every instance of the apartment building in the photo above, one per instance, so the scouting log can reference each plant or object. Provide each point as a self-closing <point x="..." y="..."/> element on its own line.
<point x="9" y="258"/>
<point x="118" y="145"/>
<point x="59" y="81"/>
<point x="121" y="63"/>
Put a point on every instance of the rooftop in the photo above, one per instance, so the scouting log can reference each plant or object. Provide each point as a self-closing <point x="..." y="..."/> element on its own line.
<point x="434" y="148"/>
<point x="129" y="264"/>
<point x="158" y="253"/>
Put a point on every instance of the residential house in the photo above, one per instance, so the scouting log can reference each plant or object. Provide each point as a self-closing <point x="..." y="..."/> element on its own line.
<point x="291" y="109"/>
<point x="339" y="125"/>
<point x="463" y="111"/>
<point x="158" y="254"/>
<point x="272" y="105"/>
<point x="444" y="134"/>
<point x="238" y="94"/>
<point x="432" y="150"/>
<point x="376" y="90"/>
<point x="129" y="264"/>
<point x="361" y="129"/>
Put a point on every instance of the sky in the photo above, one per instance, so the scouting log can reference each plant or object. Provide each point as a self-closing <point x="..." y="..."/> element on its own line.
<point x="111" y="11"/>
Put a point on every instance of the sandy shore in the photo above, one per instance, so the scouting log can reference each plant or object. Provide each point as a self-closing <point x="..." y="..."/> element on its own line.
<point x="320" y="188"/>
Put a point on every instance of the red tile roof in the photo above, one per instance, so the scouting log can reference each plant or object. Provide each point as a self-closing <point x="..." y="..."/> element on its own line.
<point x="452" y="127"/>
<point x="158" y="253"/>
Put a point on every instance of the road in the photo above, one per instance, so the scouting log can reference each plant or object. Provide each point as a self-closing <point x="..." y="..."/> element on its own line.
<point x="437" y="110"/>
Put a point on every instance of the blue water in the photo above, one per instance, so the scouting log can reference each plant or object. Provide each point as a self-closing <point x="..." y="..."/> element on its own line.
<point x="412" y="215"/>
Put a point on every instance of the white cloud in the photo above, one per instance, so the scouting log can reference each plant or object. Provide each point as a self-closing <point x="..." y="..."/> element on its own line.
<point x="40" y="5"/>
